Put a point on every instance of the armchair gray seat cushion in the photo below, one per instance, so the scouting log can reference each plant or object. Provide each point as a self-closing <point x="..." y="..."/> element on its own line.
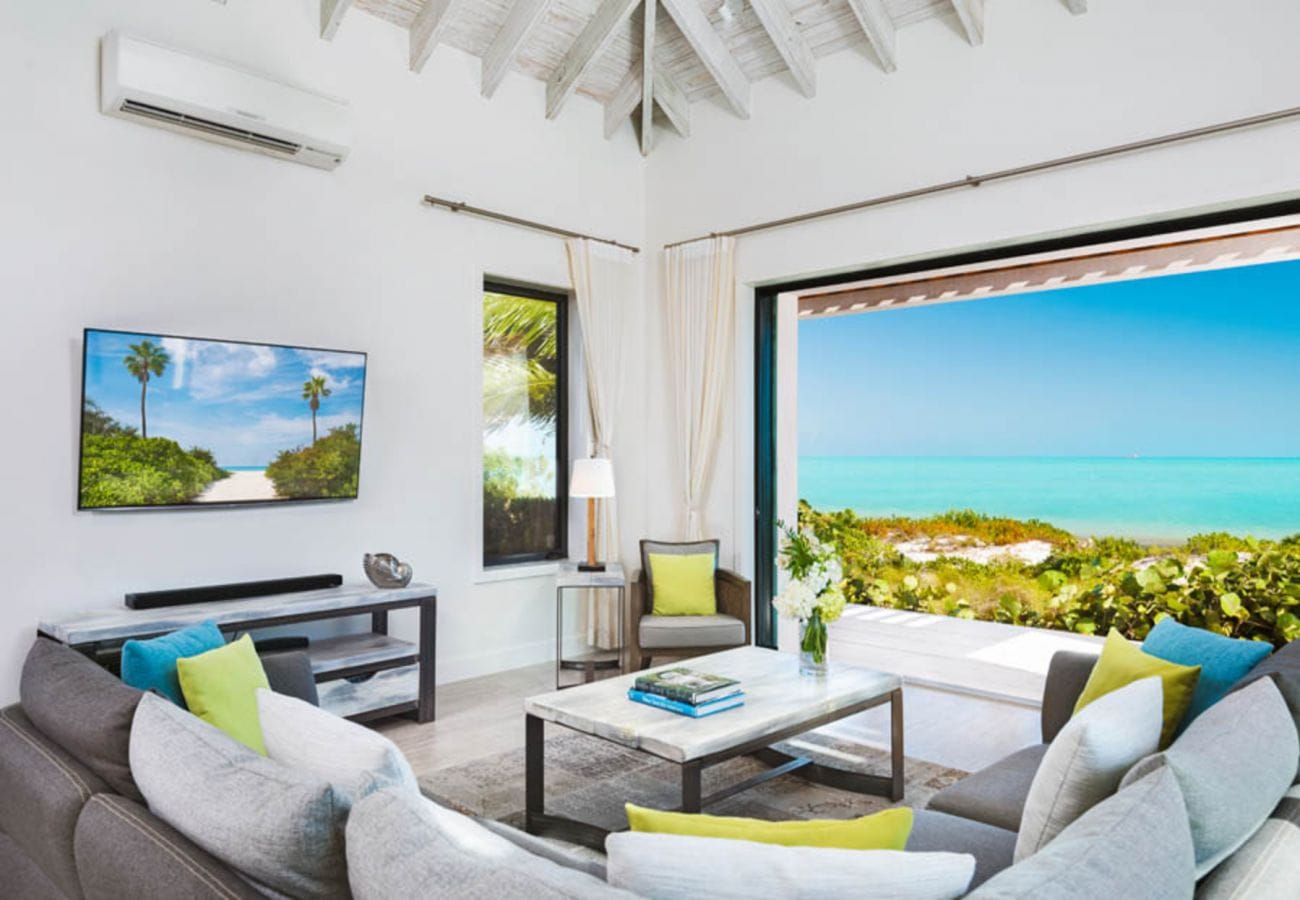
<point x="993" y="848"/>
<point x="667" y="632"/>
<point x="996" y="795"/>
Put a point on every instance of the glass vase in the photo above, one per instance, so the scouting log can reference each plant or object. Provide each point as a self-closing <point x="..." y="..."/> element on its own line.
<point x="812" y="646"/>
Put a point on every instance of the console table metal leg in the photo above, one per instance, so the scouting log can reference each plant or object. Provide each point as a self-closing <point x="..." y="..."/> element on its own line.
<point x="428" y="648"/>
<point x="534" y="763"/>
<point x="691" y="796"/>
<point x="379" y="622"/>
<point x="896" y="756"/>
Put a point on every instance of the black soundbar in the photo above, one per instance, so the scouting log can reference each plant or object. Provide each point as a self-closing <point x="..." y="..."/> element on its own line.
<point x="237" y="591"/>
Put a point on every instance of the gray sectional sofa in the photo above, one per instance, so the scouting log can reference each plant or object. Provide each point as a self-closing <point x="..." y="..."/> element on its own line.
<point x="73" y="823"/>
<point x="1267" y="865"/>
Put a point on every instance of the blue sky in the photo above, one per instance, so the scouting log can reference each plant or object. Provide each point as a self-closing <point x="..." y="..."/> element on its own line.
<point x="1205" y="364"/>
<point x="241" y="401"/>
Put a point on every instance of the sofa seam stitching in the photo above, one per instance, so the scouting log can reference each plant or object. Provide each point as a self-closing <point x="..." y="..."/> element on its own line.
<point x="83" y="789"/>
<point x="175" y="851"/>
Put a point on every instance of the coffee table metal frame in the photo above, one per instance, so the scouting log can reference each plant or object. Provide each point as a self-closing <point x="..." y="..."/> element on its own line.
<point x="538" y="821"/>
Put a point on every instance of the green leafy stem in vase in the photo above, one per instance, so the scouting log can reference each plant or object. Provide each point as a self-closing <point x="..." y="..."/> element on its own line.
<point x="814" y="592"/>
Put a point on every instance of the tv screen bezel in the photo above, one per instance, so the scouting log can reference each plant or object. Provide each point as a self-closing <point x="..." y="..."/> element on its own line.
<point x="223" y="504"/>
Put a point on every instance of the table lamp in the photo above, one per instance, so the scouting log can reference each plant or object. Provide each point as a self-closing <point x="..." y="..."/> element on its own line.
<point x="593" y="479"/>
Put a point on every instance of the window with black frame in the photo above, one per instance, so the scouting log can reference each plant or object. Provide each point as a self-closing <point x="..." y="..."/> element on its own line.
<point x="524" y="425"/>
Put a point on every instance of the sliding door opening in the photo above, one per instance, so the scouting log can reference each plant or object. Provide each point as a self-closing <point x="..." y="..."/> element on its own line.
<point x="1084" y="435"/>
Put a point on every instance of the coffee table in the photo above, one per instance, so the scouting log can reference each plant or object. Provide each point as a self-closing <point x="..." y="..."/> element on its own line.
<point x="779" y="704"/>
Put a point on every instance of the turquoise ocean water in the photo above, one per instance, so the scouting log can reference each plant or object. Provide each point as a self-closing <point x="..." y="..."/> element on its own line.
<point x="1155" y="499"/>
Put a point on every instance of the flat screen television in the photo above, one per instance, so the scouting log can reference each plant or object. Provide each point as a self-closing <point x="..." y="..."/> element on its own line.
<point x="169" y="421"/>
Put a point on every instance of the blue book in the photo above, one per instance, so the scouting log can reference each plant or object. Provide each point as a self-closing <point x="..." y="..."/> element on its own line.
<point x="686" y="709"/>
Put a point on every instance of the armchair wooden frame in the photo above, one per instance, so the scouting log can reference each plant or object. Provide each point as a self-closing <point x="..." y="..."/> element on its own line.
<point x="734" y="597"/>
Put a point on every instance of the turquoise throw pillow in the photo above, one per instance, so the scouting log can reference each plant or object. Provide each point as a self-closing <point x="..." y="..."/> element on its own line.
<point x="1224" y="661"/>
<point x="151" y="665"/>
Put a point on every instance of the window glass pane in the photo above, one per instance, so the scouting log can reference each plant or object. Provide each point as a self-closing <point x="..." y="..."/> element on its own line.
<point x="522" y="385"/>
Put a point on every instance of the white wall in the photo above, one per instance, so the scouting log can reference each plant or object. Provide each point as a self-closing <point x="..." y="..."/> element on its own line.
<point x="106" y="223"/>
<point x="1045" y="84"/>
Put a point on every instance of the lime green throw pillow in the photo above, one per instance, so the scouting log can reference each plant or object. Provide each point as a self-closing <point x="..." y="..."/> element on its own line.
<point x="1123" y="663"/>
<point x="886" y="830"/>
<point x="683" y="584"/>
<point x="220" y="687"/>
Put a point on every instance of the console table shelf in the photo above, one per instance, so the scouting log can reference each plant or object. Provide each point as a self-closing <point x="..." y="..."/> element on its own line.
<point x="401" y="673"/>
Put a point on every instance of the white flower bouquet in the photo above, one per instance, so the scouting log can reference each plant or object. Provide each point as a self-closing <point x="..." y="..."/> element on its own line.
<point x="814" y="593"/>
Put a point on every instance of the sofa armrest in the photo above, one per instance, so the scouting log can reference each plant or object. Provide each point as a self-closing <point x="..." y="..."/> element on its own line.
<point x="734" y="595"/>
<point x="123" y="852"/>
<point x="42" y="793"/>
<point x="1066" y="676"/>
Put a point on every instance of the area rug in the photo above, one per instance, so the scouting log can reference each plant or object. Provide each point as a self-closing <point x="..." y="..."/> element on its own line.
<point x="590" y="779"/>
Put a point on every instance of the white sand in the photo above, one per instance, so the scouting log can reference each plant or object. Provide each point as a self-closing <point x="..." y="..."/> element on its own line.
<point x="238" y="488"/>
<point x="929" y="549"/>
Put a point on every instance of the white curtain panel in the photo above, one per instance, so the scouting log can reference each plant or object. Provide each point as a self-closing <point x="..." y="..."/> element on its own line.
<point x="605" y="287"/>
<point x="700" y="300"/>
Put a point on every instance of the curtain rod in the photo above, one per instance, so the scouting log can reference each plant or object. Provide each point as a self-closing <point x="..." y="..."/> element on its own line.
<point x="455" y="206"/>
<point x="974" y="181"/>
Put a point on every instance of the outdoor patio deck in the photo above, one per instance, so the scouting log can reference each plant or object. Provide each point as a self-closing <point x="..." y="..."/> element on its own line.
<point x="987" y="659"/>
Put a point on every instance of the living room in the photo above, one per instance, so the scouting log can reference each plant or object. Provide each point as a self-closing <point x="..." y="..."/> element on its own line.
<point x="132" y="231"/>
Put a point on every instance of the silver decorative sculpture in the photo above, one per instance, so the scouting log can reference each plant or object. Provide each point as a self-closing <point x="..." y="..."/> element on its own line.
<point x="386" y="571"/>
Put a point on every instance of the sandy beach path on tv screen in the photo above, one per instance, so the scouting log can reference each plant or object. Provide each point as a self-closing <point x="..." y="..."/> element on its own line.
<point x="239" y="487"/>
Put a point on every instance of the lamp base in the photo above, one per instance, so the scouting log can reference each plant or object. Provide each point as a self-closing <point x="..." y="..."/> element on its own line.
<point x="593" y="567"/>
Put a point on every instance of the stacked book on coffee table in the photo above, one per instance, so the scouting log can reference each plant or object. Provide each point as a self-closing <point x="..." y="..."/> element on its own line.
<point x="687" y="692"/>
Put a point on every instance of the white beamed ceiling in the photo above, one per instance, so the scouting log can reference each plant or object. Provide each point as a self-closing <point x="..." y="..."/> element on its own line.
<point x="828" y="26"/>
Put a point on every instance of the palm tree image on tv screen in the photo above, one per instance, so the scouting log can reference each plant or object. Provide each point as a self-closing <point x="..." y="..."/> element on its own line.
<point x="171" y="421"/>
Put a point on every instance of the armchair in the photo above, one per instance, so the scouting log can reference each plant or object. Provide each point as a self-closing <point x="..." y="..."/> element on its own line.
<point x="650" y="637"/>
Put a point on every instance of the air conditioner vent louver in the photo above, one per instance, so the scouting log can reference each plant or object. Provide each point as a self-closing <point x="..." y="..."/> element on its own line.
<point x="153" y="85"/>
<point x="244" y="136"/>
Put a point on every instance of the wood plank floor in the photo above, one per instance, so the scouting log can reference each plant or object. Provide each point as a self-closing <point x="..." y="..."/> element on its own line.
<point x="481" y="717"/>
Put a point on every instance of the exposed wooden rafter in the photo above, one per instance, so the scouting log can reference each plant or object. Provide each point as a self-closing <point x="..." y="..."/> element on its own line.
<point x="790" y="42"/>
<point x="670" y="98"/>
<point x="879" y="28"/>
<point x="699" y="33"/>
<point x="971" y="15"/>
<point x="624" y="101"/>
<point x="430" y="22"/>
<point x="331" y="14"/>
<point x="591" y="43"/>
<point x="648" y="77"/>
<point x="524" y="16"/>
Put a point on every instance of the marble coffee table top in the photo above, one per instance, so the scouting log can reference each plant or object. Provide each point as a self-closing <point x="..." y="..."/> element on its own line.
<point x="777" y="698"/>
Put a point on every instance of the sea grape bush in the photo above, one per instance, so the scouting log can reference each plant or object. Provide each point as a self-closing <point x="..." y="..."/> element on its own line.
<point x="1235" y="586"/>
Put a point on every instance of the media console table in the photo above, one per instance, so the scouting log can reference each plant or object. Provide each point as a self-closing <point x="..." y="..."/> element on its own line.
<point x="401" y="672"/>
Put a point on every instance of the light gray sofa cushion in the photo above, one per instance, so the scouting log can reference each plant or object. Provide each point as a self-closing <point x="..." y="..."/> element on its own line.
<point x="1087" y="760"/>
<point x="1233" y="763"/>
<point x="992" y="847"/>
<point x="667" y="632"/>
<point x="1136" y="845"/>
<point x="400" y="846"/>
<point x="1267" y="865"/>
<point x="673" y="867"/>
<point x="555" y="852"/>
<point x="995" y="795"/>
<point x="314" y="742"/>
<point x="280" y="827"/>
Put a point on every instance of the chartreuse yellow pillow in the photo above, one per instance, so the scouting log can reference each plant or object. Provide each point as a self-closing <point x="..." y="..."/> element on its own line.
<point x="887" y="830"/>
<point x="683" y="584"/>
<point x="220" y="687"/>
<point x="1123" y="663"/>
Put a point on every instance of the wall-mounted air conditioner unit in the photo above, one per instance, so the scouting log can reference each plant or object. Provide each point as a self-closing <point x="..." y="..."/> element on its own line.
<point x="217" y="101"/>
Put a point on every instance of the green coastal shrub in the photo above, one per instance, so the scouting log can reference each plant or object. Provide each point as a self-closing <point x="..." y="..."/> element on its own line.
<point x="327" y="468"/>
<point x="1233" y="586"/>
<point x="124" y="469"/>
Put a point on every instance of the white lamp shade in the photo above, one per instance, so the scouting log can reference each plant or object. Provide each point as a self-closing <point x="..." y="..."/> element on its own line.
<point x="592" y="478"/>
